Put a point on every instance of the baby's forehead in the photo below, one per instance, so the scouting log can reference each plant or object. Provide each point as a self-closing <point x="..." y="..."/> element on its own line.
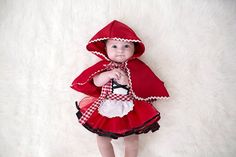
<point x="113" y="41"/>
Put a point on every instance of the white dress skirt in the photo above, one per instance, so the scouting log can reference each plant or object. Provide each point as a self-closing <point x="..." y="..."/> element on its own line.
<point x="116" y="108"/>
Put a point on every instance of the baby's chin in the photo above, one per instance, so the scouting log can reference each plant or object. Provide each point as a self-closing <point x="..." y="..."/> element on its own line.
<point x="120" y="60"/>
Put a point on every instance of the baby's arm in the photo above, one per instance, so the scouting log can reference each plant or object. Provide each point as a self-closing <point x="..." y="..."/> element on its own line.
<point x="102" y="78"/>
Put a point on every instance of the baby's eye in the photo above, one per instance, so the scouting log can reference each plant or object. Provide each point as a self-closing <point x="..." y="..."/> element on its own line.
<point x="126" y="46"/>
<point x="114" y="46"/>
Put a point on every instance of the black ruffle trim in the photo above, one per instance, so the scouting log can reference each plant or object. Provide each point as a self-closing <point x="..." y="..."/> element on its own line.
<point x="139" y="130"/>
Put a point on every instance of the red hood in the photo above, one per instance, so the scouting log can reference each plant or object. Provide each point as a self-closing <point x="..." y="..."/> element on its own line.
<point x="117" y="31"/>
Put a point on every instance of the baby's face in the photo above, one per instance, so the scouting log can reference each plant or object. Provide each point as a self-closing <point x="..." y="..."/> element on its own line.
<point x="119" y="51"/>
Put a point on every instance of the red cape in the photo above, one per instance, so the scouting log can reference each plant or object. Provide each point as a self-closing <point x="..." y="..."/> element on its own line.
<point x="145" y="85"/>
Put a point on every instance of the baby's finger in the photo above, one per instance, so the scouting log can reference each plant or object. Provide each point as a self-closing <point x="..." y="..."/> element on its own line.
<point x="118" y="74"/>
<point x="122" y="72"/>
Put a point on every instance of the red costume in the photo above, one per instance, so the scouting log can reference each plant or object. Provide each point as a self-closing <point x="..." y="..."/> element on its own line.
<point x="144" y="87"/>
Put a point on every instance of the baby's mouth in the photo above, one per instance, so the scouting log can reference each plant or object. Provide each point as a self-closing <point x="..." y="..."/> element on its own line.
<point x="120" y="55"/>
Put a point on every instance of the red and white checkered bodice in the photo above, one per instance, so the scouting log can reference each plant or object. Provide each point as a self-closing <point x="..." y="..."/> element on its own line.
<point x="107" y="93"/>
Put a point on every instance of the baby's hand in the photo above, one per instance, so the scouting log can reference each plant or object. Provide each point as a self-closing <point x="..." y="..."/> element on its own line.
<point x="119" y="76"/>
<point x="115" y="74"/>
<point x="123" y="80"/>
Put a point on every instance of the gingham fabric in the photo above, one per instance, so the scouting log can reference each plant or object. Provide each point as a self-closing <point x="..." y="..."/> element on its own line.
<point x="96" y="104"/>
<point x="106" y="93"/>
<point x="113" y="65"/>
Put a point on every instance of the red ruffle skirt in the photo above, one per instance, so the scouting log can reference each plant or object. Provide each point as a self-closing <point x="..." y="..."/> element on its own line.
<point x="142" y="119"/>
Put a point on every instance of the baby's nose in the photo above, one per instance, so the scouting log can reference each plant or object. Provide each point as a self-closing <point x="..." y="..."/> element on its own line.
<point x="120" y="49"/>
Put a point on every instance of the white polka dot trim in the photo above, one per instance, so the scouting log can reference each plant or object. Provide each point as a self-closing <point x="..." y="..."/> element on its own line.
<point x="100" y="54"/>
<point x="90" y="77"/>
<point x="127" y="40"/>
<point x="115" y="38"/>
<point x="99" y="39"/>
